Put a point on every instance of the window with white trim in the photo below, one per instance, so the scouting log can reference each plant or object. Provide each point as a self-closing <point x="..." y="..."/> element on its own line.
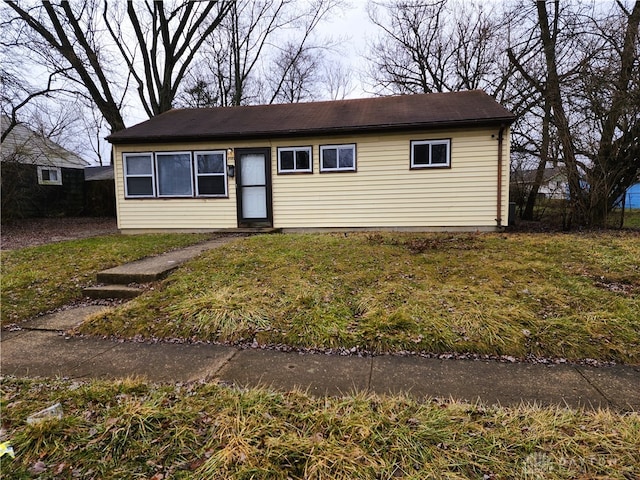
<point x="211" y="173"/>
<point x="431" y="153"/>
<point x="138" y="175"/>
<point x="295" y="160"/>
<point x="174" y="174"/>
<point x="338" y="158"/>
<point x="49" y="175"/>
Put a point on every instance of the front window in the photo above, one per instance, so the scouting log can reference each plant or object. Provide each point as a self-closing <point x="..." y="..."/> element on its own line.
<point x="172" y="174"/>
<point x="430" y="153"/>
<point x="337" y="158"/>
<point x="295" y="160"/>
<point x="175" y="177"/>
<point x="138" y="175"/>
<point x="211" y="174"/>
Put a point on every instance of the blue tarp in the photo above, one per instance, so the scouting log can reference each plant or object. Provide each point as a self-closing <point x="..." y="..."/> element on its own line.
<point x="632" y="197"/>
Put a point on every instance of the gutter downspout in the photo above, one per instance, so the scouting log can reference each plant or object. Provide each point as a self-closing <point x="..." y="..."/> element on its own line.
<point x="499" y="199"/>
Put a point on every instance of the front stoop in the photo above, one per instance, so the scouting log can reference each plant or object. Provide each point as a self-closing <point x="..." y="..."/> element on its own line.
<point x="112" y="291"/>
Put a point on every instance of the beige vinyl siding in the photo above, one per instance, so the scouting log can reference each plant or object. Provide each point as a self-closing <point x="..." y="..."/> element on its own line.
<point x="173" y="213"/>
<point x="383" y="192"/>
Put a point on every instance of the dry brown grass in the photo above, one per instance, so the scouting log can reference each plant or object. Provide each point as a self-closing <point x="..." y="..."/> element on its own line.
<point x="574" y="296"/>
<point x="130" y="429"/>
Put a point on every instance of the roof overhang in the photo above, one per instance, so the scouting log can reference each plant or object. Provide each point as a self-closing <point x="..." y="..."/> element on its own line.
<point x="320" y="132"/>
<point x="344" y="117"/>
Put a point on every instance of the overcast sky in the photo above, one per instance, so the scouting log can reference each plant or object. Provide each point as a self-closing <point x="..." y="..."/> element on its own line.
<point x="358" y="29"/>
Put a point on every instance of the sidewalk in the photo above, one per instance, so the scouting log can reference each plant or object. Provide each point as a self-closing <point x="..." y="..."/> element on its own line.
<point x="42" y="349"/>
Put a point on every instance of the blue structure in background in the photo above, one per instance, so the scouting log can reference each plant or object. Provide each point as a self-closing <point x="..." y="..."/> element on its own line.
<point x="632" y="197"/>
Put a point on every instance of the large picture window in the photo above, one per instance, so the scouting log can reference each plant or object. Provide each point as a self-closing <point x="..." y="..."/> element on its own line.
<point x="295" y="160"/>
<point x="175" y="174"/>
<point x="431" y="153"/>
<point x="211" y="174"/>
<point x="338" y="158"/>
<point x="138" y="175"/>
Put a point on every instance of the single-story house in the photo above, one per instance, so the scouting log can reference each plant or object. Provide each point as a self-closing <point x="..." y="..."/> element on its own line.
<point x="410" y="162"/>
<point x="39" y="176"/>
<point x="554" y="184"/>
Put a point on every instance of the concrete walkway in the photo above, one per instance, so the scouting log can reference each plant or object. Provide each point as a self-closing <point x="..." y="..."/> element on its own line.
<point x="114" y="282"/>
<point x="41" y="348"/>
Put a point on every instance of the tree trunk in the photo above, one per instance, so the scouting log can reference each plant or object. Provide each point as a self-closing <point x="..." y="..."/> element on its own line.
<point x="578" y="211"/>
<point x="528" y="213"/>
<point x="612" y="173"/>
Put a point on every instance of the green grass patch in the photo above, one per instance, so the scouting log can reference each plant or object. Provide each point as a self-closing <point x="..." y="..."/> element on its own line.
<point x="574" y="296"/>
<point x="131" y="429"/>
<point x="38" y="279"/>
<point x="631" y="219"/>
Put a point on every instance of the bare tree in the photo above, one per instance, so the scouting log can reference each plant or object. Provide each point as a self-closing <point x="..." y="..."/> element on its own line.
<point x="593" y="102"/>
<point x="295" y="74"/>
<point x="435" y="46"/>
<point x="166" y="40"/>
<point x="616" y="161"/>
<point x="168" y="43"/>
<point x="337" y="80"/>
<point x="261" y="51"/>
<point x="18" y="93"/>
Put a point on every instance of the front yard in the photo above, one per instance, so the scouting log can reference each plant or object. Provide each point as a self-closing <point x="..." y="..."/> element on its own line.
<point x="572" y="296"/>
<point x="40" y="278"/>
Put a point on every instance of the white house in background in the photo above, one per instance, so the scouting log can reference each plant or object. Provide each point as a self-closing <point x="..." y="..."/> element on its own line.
<point x="39" y="177"/>
<point x="27" y="147"/>
<point x="554" y="182"/>
<point x="415" y="162"/>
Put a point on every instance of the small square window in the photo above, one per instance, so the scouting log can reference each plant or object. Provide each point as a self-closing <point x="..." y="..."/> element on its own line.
<point x="49" y="175"/>
<point x="430" y="153"/>
<point x="295" y="160"/>
<point x="338" y="158"/>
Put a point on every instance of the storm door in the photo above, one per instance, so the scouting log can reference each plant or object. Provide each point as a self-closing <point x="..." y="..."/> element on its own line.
<point x="253" y="182"/>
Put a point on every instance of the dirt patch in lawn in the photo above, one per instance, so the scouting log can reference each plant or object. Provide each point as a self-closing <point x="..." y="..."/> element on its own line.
<point x="40" y="231"/>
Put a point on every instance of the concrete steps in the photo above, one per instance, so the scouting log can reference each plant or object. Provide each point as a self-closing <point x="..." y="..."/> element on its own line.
<point x="112" y="291"/>
<point x="116" y="282"/>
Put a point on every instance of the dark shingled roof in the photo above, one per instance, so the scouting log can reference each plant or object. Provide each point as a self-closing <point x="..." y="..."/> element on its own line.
<point x="319" y="118"/>
<point x="94" y="174"/>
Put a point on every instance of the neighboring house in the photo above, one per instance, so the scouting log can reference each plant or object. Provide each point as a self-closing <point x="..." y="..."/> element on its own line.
<point x="554" y="182"/>
<point x="39" y="177"/>
<point x="415" y="162"/>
